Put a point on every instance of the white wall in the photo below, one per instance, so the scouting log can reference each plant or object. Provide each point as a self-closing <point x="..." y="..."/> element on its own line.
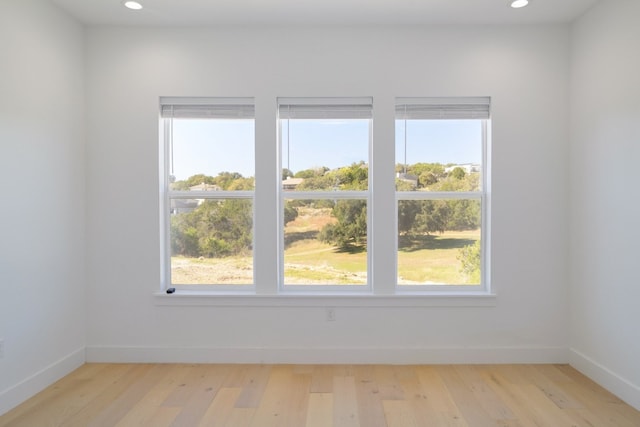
<point x="525" y="71"/>
<point x="605" y="206"/>
<point x="42" y="227"/>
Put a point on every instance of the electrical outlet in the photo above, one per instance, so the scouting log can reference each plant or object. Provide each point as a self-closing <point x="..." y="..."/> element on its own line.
<point x="331" y="314"/>
<point x="1" y="349"/>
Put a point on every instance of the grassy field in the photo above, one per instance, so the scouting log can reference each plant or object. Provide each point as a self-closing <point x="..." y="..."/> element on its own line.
<point x="421" y="259"/>
<point x="433" y="259"/>
<point x="206" y="271"/>
<point x="309" y="261"/>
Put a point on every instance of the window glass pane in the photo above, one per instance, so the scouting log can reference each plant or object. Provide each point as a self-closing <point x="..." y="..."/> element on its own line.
<point x="211" y="241"/>
<point x="325" y="154"/>
<point x="212" y="154"/>
<point x="325" y="242"/>
<point x="438" y="155"/>
<point x="439" y="242"/>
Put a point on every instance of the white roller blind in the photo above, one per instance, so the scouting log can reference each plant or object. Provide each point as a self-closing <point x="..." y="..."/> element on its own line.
<point x="215" y="111"/>
<point x="329" y="108"/>
<point x="442" y="108"/>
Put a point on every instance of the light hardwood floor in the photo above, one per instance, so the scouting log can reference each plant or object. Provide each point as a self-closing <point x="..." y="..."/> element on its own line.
<point x="313" y="396"/>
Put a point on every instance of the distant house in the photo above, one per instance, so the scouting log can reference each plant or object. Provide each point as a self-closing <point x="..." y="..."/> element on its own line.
<point x="205" y="187"/>
<point x="179" y="206"/>
<point x="290" y="184"/>
<point x="467" y="167"/>
<point x="407" y="177"/>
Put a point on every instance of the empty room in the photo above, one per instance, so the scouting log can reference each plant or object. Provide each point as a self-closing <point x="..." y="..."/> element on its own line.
<point x="319" y="213"/>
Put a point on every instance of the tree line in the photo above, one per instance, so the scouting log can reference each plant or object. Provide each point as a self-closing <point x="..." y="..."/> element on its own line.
<point x="218" y="228"/>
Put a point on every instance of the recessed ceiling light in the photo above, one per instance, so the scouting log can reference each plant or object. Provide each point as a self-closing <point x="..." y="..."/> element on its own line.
<point x="134" y="5"/>
<point x="519" y="3"/>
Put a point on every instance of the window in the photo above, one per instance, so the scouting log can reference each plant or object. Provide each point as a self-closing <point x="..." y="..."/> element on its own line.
<point x="207" y="177"/>
<point x="318" y="218"/>
<point x="324" y="193"/>
<point x="441" y="192"/>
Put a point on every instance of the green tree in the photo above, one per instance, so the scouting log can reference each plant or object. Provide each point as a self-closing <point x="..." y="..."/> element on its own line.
<point x="437" y="216"/>
<point x="353" y="177"/>
<point x="216" y="228"/>
<point x="225" y="227"/>
<point x="432" y="217"/>
<point x="469" y="258"/>
<point x="311" y="173"/>
<point x="290" y="213"/>
<point x="427" y="173"/>
<point x="404" y="185"/>
<point x="419" y="168"/>
<point x="225" y="179"/>
<point x="184" y="236"/>
<point x="427" y="178"/>
<point x="286" y="173"/>
<point x="351" y="228"/>
<point x="458" y="173"/>
<point x="199" y="179"/>
<point x="231" y="181"/>
<point x="407" y="211"/>
<point x="241" y="184"/>
<point x="464" y="215"/>
<point x="469" y="182"/>
<point x="315" y="182"/>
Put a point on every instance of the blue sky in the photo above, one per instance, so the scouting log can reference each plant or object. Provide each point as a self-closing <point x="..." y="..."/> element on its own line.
<point x="439" y="141"/>
<point x="214" y="146"/>
<point x="330" y="143"/>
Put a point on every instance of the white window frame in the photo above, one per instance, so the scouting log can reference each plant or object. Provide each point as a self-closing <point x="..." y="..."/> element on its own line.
<point x="268" y="199"/>
<point x="322" y="103"/>
<point x="218" y="107"/>
<point x="452" y="108"/>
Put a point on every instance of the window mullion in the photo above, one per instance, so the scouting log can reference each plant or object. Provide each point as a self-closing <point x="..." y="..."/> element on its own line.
<point x="383" y="216"/>
<point x="266" y="196"/>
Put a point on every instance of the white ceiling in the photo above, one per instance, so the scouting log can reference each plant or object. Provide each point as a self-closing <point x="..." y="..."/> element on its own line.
<point x="235" y="12"/>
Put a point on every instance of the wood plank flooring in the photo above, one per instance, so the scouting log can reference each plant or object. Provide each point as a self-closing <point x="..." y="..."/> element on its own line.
<point x="318" y="396"/>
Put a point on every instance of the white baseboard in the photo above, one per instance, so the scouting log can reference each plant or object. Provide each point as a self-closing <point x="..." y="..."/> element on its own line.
<point x="13" y="396"/>
<point x="608" y="379"/>
<point x="396" y="356"/>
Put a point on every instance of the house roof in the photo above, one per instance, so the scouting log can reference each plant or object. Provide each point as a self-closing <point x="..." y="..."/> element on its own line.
<point x="205" y="187"/>
<point x="292" y="181"/>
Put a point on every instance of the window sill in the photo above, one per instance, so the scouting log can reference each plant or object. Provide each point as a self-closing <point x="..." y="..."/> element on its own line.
<point x="405" y="299"/>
